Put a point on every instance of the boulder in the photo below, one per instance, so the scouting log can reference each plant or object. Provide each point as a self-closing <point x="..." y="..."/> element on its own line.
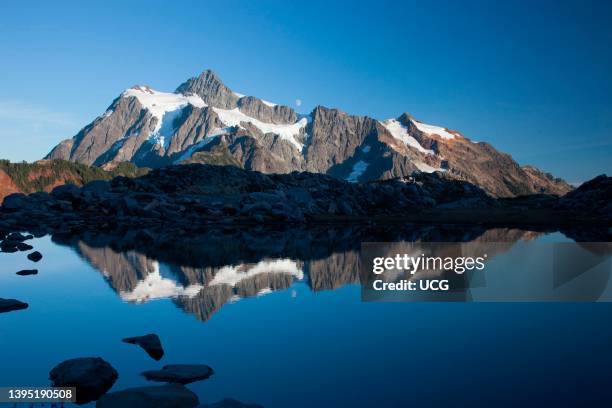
<point x="67" y="192"/>
<point x="165" y="396"/>
<point x="27" y="272"/>
<point x="96" y="188"/>
<point x="14" y="202"/>
<point x="35" y="256"/>
<point x="22" y="246"/>
<point x="149" y="343"/>
<point x="16" y="236"/>
<point x="8" y="247"/>
<point x="92" y="377"/>
<point x="9" y="305"/>
<point x="180" y="373"/>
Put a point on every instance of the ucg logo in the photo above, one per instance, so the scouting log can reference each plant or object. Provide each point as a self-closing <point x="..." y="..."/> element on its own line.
<point x="433" y="284"/>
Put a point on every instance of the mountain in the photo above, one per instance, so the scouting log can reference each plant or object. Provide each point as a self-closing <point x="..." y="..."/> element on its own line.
<point x="204" y="121"/>
<point x="44" y="175"/>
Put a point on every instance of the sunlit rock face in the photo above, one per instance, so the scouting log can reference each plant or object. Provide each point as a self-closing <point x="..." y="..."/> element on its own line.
<point x="204" y="121"/>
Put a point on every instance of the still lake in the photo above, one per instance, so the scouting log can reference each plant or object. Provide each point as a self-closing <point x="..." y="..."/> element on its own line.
<point x="287" y="328"/>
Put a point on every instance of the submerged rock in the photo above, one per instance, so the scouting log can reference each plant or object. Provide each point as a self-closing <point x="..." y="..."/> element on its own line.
<point x="165" y="396"/>
<point x="92" y="377"/>
<point x="230" y="403"/>
<point x="35" y="256"/>
<point x="149" y="343"/>
<point x="26" y="272"/>
<point x="10" y="305"/>
<point x="180" y="373"/>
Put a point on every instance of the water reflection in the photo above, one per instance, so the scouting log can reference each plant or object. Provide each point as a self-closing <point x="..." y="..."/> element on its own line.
<point x="203" y="273"/>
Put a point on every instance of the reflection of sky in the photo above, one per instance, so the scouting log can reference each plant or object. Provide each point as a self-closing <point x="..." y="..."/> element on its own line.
<point x="301" y="348"/>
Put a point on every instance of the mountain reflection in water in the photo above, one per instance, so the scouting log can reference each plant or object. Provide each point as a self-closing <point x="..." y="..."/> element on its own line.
<point x="203" y="273"/>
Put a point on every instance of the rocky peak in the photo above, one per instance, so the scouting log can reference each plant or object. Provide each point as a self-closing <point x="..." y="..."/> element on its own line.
<point x="209" y="87"/>
<point x="213" y="92"/>
<point x="408" y="120"/>
<point x="266" y="112"/>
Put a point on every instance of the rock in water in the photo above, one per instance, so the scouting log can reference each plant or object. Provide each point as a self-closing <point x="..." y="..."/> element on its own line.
<point x="22" y="246"/>
<point x="8" y="248"/>
<point x="27" y="272"/>
<point x="9" y="305"/>
<point x="35" y="256"/>
<point x="16" y="236"/>
<point x="230" y="403"/>
<point x="149" y="343"/>
<point x="180" y="373"/>
<point x="165" y="396"/>
<point x="91" y="376"/>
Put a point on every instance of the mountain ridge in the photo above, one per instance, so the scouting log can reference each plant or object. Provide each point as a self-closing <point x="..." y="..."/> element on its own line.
<point x="155" y="129"/>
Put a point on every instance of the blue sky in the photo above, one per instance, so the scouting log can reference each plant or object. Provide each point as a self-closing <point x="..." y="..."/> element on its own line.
<point x="532" y="79"/>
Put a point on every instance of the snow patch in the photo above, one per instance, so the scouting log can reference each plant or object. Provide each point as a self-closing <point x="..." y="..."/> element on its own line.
<point x="165" y="107"/>
<point x="233" y="117"/>
<point x="400" y="132"/>
<point x="232" y="275"/>
<point x="358" y="169"/>
<point x="426" y="168"/>
<point x="434" y="130"/>
<point x="197" y="146"/>
<point x="166" y="128"/>
<point x="270" y="104"/>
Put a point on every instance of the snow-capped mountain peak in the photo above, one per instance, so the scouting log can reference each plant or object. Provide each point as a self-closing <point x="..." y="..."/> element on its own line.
<point x="205" y="121"/>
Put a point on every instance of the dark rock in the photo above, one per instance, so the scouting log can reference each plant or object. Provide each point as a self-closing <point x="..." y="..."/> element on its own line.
<point x="67" y="192"/>
<point x="27" y="272"/>
<point x="260" y="206"/>
<point x="16" y="236"/>
<point x="9" y="305"/>
<point x="229" y="210"/>
<point x="180" y="373"/>
<point x="96" y="188"/>
<point x="165" y="396"/>
<point x="35" y="256"/>
<point x="149" y="343"/>
<point x="92" y="377"/>
<point x="8" y="247"/>
<point x="593" y="196"/>
<point x="230" y="403"/>
<point x="14" y="202"/>
<point x="22" y="246"/>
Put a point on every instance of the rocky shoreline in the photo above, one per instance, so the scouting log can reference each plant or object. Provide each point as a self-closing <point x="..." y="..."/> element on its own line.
<point x="163" y="212"/>
<point x="190" y="198"/>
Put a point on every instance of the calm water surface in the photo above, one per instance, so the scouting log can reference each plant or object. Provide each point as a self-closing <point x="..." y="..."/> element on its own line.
<point x="290" y="331"/>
